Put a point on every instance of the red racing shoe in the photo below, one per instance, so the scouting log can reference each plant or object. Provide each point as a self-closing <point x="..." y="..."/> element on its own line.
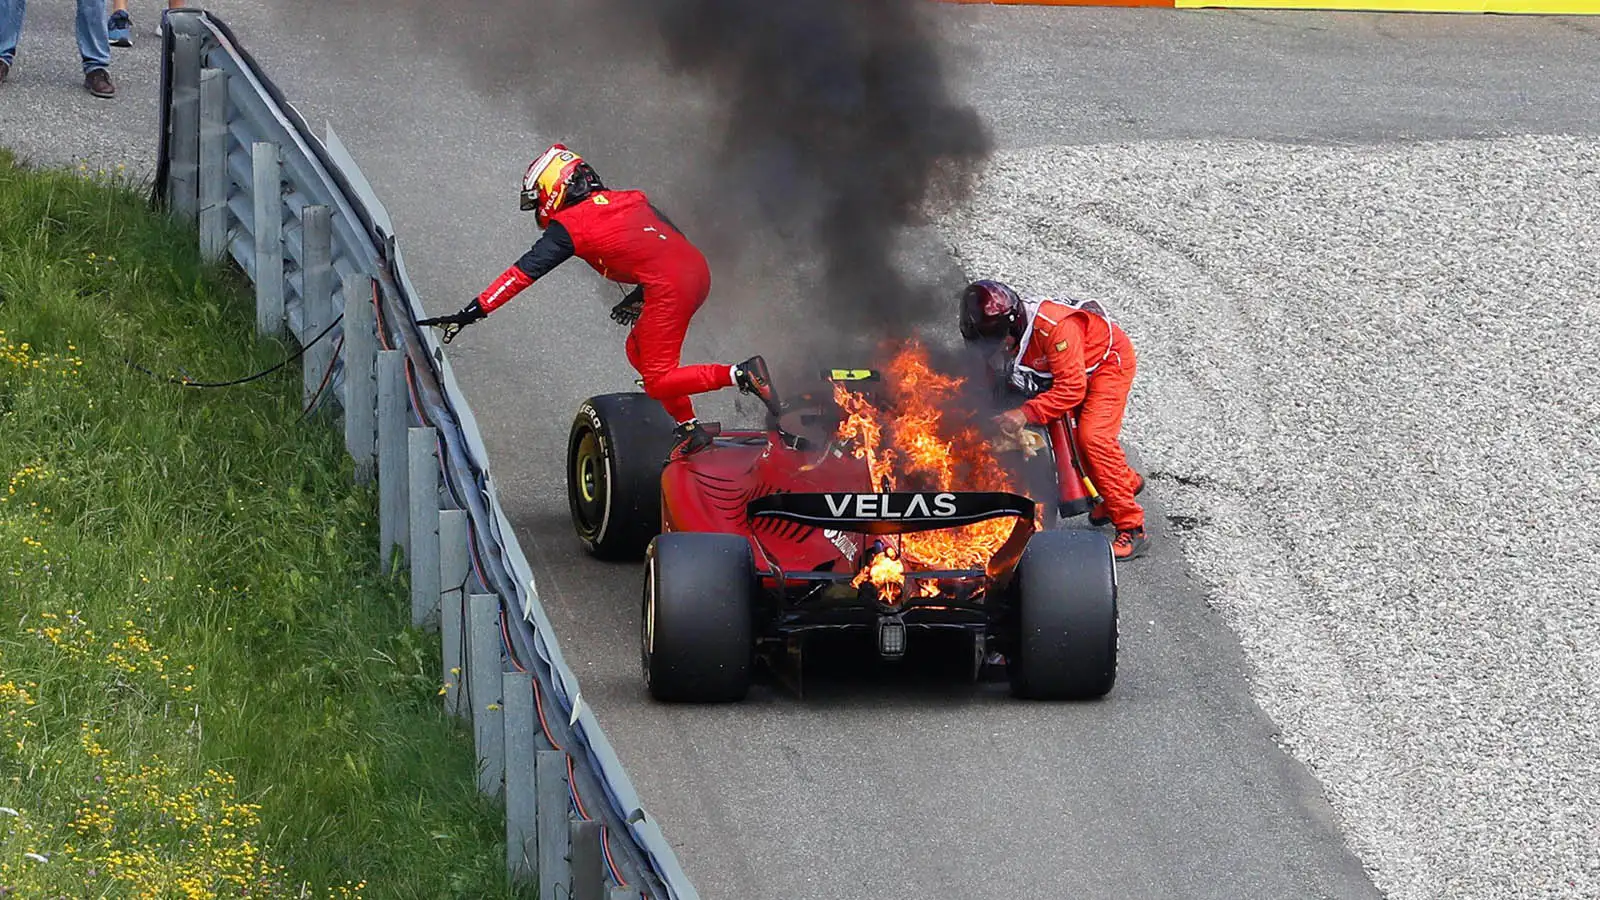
<point x="1129" y="544"/>
<point x="753" y="378"/>
<point x="688" y="438"/>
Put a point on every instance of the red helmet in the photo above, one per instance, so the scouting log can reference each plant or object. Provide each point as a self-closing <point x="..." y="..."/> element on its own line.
<point x="991" y="310"/>
<point x="557" y="179"/>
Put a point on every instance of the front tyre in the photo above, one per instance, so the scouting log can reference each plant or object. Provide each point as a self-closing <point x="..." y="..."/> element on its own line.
<point x="615" y="451"/>
<point x="697" y="641"/>
<point x="1065" y="613"/>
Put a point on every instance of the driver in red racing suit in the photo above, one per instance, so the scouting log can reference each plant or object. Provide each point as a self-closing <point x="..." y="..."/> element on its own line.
<point x="1069" y="355"/>
<point x="627" y="240"/>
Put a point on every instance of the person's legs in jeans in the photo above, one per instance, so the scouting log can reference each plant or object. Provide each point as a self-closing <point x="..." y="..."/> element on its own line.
<point x="94" y="44"/>
<point x="120" y="25"/>
<point x="11" y="13"/>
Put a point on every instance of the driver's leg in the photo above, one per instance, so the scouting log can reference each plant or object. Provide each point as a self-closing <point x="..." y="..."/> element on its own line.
<point x="654" y="349"/>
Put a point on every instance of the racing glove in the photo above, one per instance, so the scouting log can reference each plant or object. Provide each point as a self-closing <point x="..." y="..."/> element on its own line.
<point x="454" y="322"/>
<point x="632" y="306"/>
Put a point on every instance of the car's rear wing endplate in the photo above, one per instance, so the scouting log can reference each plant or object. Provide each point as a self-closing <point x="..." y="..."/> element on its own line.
<point x="891" y="513"/>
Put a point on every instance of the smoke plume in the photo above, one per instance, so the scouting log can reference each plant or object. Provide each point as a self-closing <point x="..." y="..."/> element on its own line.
<point x="838" y="127"/>
<point x="797" y="138"/>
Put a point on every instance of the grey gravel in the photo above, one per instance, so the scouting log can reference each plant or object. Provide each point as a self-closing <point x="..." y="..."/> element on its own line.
<point x="1370" y="376"/>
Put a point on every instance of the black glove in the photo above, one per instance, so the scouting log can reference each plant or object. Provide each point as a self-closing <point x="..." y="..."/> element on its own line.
<point x="454" y="322"/>
<point x="632" y="306"/>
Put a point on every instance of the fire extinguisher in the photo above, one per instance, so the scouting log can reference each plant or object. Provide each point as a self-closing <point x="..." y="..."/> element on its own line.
<point x="1078" y="494"/>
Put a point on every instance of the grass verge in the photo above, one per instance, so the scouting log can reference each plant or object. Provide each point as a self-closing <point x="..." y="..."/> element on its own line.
<point x="207" y="687"/>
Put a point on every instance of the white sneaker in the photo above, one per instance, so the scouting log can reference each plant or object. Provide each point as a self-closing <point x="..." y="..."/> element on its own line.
<point x="159" y="30"/>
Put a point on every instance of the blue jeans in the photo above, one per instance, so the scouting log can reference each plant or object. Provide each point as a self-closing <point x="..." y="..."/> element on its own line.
<point x="94" y="45"/>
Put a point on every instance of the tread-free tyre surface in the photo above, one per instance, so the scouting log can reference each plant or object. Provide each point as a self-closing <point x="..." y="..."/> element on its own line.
<point x="1066" y="618"/>
<point x="696" y="640"/>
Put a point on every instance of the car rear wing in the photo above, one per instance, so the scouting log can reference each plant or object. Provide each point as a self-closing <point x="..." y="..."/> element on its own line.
<point x="891" y="513"/>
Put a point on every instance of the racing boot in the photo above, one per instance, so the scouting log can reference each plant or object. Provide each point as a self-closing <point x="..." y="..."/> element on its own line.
<point x="688" y="438"/>
<point x="1098" y="517"/>
<point x="1130" y="544"/>
<point x="752" y="377"/>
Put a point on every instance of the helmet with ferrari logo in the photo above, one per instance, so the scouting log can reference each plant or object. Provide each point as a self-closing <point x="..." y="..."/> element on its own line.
<point x="558" y="178"/>
<point x="991" y="310"/>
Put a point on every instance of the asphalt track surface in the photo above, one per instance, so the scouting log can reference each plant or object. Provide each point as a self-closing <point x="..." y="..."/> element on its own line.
<point x="878" y="784"/>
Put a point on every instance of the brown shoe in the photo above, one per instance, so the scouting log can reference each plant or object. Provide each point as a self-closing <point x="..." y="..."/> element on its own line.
<point x="98" y="81"/>
<point x="5" y="69"/>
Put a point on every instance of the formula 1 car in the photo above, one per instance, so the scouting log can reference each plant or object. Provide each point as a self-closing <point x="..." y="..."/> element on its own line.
<point x="767" y="536"/>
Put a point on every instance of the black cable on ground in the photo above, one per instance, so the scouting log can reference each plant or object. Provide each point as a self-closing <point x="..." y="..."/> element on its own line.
<point x="327" y="375"/>
<point x="186" y="381"/>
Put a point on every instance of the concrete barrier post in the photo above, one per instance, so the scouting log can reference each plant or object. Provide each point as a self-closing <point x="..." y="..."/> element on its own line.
<point x="588" y="861"/>
<point x="183" y="142"/>
<point x="423" y="457"/>
<point x="454" y="569"/>
<point x="483" y="690"/>
<point x="267" y="197"/>
<point x="360" y="370"/>
<point x="522" y="846"/>
<point x="553" y="812"/>
<point x="316" y="294"/>
<point x="393" y="418"/>
<point x="214" y="178"/>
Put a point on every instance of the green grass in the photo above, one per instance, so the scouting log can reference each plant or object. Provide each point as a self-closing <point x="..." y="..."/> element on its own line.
<point x="207" y="686"/>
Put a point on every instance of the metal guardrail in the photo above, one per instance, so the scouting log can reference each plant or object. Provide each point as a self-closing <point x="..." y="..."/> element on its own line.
<point x="296" y="214"/>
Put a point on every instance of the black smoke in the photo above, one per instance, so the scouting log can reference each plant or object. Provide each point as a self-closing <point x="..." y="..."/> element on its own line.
<point x="838" y="127"/>
<point x="797" y="139"/>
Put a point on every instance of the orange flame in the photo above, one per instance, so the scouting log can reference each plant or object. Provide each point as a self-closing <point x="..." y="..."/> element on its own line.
<point x="886" y="573"/>
<point x="926" y="448"/>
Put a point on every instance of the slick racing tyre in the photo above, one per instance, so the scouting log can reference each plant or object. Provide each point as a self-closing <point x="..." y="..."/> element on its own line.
<point x="615" y="451"/>
<point x="1065" y="613"/>
<point x="696" y="640"/>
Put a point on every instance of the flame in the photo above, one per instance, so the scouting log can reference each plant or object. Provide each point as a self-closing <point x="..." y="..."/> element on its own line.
<point x="886" y="573"/>
<point x="913" y="439"/>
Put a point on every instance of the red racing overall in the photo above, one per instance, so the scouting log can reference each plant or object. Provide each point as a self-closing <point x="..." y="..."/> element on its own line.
<point x="1090" y="364"/>
<point x="626" y="240"/>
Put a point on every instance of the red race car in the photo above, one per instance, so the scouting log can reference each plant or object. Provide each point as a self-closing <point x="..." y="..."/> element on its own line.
<point x="769" y="535"/>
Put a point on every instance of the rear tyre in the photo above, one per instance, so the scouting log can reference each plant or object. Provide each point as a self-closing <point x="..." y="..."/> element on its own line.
<point x="1066" y="618"/>
<point x="615" y="451"/>
<point x="697" y="640"/>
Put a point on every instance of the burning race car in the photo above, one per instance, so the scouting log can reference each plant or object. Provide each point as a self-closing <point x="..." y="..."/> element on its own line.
<point x="840" y="515"/>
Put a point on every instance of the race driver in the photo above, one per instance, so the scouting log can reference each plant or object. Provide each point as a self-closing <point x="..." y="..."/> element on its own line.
<point x="627" y="240"/>
<point x="1067" y="354"/>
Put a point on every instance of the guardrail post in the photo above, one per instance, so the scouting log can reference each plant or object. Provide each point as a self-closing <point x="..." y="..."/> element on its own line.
<point x="454" y="569"/>
<point x="423" y="464"/>
<point x="267" y="194"/>
<point x="554" y="812"/>
<point x="214" y="178"/>
<point x="183" y="166"/>
<point x="588" y="861"/>
<point x="483" y="690"/>
<point x="316" y="293"/>
<point x="360" y="369"/>
<point x="522" y="846"/>
<point x="393" y="418"/>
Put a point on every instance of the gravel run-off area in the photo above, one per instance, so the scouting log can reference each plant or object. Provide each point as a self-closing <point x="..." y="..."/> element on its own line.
<point x="1368" y="384"/>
